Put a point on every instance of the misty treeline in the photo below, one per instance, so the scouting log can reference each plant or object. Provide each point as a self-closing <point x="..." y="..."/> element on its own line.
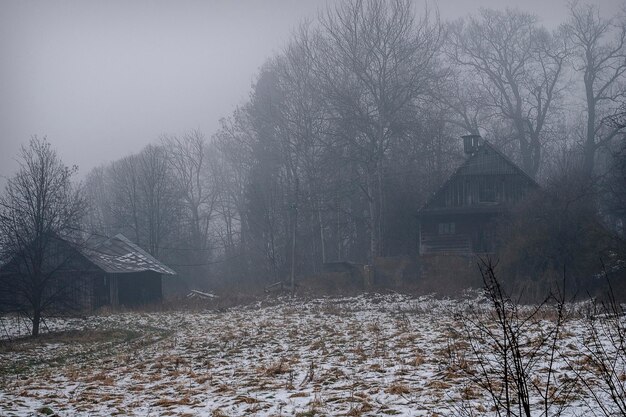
<point x="357" y="121"/>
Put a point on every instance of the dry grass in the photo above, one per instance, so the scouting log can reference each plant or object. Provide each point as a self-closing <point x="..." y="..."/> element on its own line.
<point x="398" y="388"/>
<point x="382" y="355"/>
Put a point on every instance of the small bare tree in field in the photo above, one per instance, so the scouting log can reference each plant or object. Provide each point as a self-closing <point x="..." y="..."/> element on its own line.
<point x="515" y="352"/>
<point x="39" y="209"/>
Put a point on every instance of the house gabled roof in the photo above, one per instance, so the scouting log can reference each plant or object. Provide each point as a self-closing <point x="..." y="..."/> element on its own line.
<point x="119" y="255"/>
<point x="486" y="160"/>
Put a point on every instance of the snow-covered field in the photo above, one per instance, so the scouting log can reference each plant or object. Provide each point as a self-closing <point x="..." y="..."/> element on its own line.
<point x="367" y="355"/>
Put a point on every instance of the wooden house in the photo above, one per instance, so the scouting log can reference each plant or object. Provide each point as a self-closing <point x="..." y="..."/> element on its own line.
<point x="87" y="275"/>
<point x="460" y="218"/>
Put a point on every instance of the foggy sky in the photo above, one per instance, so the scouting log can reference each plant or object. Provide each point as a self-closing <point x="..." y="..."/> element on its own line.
<point x="102" y="79"/>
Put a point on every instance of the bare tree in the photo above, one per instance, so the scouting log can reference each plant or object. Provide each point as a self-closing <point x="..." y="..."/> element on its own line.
<point x="39" y="210"/>
<point x="618" y="119"/>
<point x="250" y="149"/>
<point x="158" y="197"/>
<point x="376" y="60"/>
<point x="313" y="150"/>
<point x="136" y="196"/>
<point x="270" y="192"/>
<point x="228" y="214"/>
<point x="123" y="182"/>
<point x="520" y="67"/>
<point x="234" y="142"/>
<point x="97" y="194"/>
<point x="463" y="100"/>
<point x="192" y="168"/>
<point x="600" y="56"/>
<point x="304" y="123"/>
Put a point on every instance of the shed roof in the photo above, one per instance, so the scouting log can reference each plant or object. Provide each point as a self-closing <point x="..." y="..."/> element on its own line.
<point x="119" y="255"/>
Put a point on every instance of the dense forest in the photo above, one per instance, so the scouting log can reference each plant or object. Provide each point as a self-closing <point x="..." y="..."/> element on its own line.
<point x="350" y="129"/>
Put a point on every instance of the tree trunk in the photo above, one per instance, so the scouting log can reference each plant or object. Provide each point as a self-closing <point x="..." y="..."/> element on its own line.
<point x="525" y="147"/>
<point x="380" y="210"/>
<point x="322" y="237"/>
<point x="36" y="321"/>
<point x="294" y="239"/>
<point x="293" y="251"/>
<point x="373" y="225"/>
<point x="589" y="151"/>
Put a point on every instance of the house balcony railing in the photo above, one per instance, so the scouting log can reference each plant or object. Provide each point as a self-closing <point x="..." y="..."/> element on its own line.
<point x="456" y="244"/>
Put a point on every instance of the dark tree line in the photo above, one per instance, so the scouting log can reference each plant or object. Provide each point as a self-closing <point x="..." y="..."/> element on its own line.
<point x="350" y="129"/>
<point x="355" y="123"/>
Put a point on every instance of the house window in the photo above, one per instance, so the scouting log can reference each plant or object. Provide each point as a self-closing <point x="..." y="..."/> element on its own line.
<point x="487" y="190"/>
<point x="446" y="228"/>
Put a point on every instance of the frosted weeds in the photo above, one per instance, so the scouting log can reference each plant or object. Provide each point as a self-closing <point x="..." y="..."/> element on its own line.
<point x="367" y="355"/>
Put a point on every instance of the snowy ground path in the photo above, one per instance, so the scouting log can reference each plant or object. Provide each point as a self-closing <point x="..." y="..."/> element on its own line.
<point x="367" y="355"/>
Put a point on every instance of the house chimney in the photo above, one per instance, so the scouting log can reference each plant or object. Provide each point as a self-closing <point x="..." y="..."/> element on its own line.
<point x="471" y="143"/>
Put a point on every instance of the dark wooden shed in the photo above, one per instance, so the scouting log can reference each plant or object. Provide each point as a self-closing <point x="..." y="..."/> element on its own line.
<point x="460" y="218"/>
<point x="85" y="275"/>
<point x="124" y="274"/>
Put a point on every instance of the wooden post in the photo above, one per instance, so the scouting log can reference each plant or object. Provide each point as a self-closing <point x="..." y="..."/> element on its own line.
<point x="368" y="276"/>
